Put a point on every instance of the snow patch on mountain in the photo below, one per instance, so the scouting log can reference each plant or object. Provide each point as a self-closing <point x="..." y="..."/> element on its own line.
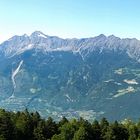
<point x="42" y="35"/>
<point x="132" y="82"/>
<point x="15" y="72"/>
<point x="68" y="98"/>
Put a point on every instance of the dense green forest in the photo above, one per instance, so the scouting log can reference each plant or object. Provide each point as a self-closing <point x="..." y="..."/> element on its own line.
<point x="30" y="126"/>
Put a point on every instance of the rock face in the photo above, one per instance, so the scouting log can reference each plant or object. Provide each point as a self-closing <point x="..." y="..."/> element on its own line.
<point x="90" y="77"/>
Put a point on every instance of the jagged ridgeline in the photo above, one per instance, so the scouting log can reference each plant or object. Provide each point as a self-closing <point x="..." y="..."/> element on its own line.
<point x="89" y="77"/>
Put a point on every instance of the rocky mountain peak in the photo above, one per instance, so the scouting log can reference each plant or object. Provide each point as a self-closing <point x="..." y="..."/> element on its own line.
<point x="40" y="41"/>
<point x="38" y="34"/>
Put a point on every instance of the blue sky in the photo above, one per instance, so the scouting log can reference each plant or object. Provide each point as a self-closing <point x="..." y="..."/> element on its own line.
<point x="70" y="18"/>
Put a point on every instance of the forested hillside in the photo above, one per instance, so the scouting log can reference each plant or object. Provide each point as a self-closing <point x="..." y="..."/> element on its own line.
<point x="88" y="77"/>
<point x="30" y="126"/>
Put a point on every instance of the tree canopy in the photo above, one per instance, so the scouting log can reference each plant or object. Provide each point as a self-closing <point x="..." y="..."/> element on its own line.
<point x="31" y="126"/>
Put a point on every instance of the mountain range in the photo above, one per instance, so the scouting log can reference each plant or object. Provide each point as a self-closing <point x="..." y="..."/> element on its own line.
<point x="90" y="77"/>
